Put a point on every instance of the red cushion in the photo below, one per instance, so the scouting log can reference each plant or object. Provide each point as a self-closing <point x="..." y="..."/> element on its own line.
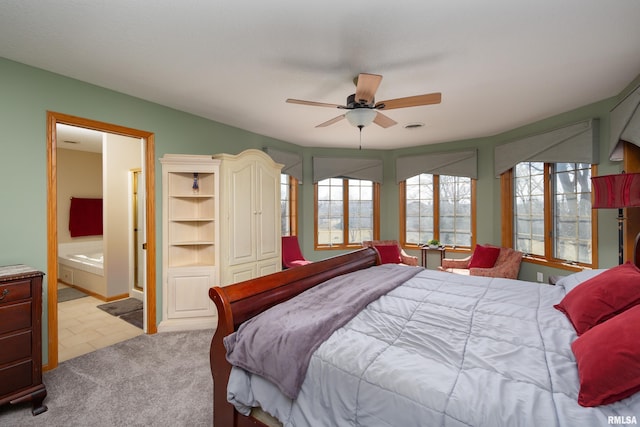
<point x="608" y="358"/>
<point x="389" y="254"/>
<point x="484" y="257"/>
<point x="602" y="297"/>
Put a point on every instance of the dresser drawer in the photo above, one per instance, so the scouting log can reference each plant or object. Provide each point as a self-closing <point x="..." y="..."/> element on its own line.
<point x="16" y="377"/>
<point x="15" y="347"/>
<point x="14" y="291"/>
<point x="15" y="316"/>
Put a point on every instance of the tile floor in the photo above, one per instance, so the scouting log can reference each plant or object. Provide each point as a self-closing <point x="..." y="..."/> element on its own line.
<point x="83" y="328"/>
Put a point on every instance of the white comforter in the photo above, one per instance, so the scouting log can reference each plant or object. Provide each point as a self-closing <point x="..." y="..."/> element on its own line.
<point x="442" y="350"/>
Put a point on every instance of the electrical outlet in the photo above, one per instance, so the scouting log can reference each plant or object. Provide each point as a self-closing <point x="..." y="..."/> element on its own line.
<point x="539" y="276"/>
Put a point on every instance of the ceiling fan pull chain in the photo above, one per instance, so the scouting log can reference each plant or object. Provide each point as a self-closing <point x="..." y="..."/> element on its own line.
<point x="360" y="127"/>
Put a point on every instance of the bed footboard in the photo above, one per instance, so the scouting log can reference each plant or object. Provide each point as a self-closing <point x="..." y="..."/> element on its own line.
<point x="240" y="302"/>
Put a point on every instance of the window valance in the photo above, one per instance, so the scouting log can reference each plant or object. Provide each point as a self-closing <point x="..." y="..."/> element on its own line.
<point x="625" y="124"/>
<point x="456" y="163"/>
<point x="340" y="167"/>
<point x="574" y="143"/>
<point x="292" y="161"/>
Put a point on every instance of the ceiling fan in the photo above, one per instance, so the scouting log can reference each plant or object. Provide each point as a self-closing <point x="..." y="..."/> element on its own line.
<point x="362" y="108"/>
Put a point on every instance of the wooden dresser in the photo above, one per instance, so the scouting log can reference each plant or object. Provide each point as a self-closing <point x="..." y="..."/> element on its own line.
<point x="21" y="337"/>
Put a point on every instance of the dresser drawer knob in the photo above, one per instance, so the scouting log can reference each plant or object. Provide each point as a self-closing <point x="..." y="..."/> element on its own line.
<point x="5" y="292"/>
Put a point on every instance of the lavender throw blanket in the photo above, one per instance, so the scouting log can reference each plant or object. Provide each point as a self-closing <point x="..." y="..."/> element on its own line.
<point x="278" y="343"/>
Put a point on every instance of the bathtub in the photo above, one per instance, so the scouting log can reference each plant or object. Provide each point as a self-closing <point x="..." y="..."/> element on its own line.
<point x="91" y="263"/>
<point x="81" y="264"/>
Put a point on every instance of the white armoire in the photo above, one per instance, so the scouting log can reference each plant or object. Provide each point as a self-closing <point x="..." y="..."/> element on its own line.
<point x="190" y="241"/>
<point x="249" y="216"/>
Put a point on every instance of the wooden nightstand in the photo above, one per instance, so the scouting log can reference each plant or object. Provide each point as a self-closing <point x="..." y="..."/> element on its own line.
<point x="21" y="337"/>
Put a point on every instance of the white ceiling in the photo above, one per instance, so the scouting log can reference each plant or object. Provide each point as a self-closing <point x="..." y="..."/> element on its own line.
<point x="499" y="64"/>
<point x="77" y="138"/>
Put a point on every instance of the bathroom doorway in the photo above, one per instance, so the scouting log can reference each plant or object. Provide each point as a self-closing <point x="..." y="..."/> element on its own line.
<point x="146" y="205"/>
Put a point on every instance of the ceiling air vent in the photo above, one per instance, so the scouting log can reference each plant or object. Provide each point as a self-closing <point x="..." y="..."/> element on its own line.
<point x="413" y="125"/>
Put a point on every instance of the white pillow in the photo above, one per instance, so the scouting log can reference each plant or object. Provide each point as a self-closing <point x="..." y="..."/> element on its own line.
<point x="571" y="281"/>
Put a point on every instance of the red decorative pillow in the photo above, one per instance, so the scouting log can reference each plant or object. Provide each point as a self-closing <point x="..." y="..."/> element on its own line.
<point x="389" y="254"/>
<point x="602" y="297"/>
<point x="608" y="358"/>
<point x="484" y="257"/>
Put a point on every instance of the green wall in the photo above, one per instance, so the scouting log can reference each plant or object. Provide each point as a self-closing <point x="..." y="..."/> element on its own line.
<point x="27" y="93"/>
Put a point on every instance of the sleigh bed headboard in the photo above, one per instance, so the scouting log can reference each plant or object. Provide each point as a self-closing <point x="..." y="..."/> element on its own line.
<point x="636" y="252"/>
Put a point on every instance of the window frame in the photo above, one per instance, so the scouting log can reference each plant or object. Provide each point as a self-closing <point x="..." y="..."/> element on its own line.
<point x="345" y="216"/>
<point x="436" y="217"/>
<point x="548" y="259"/>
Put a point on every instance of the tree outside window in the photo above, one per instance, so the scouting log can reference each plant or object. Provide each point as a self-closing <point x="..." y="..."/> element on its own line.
<point x="438" y="207"/>
<point x="288" y="201"/>
<point x="572" y="212"/>
<point x="552" y="211"/>
<point x="347" y="212"/>
<point x="455" y="210"/>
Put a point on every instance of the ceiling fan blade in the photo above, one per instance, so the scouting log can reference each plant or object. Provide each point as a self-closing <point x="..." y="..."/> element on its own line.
<point x="384" y="121"/>
<point x="366" y="87"/>
<point x="313" y="103"/>
<point x="410" y="101"/>
<point x="330" y="122"/>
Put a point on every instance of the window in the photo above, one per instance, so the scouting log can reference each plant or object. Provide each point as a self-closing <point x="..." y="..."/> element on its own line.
<point x="455" y="210"/>
<point x="572" y="211"/>
<point x="419" y="208"/>
<point x="529" y="208"/>
<point x="438" y="207"/>
<point x="340" y="224"/>
<point x="551" y="211"/>
<point x="288" y="205"/>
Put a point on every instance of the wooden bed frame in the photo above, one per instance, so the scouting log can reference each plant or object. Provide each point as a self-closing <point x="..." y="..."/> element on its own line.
<point x="240" y="302"/>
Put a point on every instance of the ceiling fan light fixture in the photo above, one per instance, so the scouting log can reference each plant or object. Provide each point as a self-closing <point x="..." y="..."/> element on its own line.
<point x="360" y="117"/>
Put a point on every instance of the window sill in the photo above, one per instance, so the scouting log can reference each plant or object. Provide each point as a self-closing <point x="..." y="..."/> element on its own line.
<point x="555" y="264"/>
<point x="338" y="248"/>
<point x="449" y="249"/>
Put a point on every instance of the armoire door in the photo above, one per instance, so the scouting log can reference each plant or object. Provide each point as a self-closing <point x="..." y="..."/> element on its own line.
<point x="268" y="217"/>
<point x="242" y="213"/>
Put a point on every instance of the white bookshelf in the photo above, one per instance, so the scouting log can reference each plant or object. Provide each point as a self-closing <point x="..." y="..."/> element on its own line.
<point x="190" y="241"/>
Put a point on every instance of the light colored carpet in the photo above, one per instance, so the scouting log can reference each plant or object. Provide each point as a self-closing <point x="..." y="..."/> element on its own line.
<point x="150" y="380"/>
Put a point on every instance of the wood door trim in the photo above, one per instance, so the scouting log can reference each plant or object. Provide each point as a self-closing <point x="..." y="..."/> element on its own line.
<point x="53" y="118"/>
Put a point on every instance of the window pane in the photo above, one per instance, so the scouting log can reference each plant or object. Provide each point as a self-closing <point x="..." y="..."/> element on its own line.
<point x="529" y="207"/>
<point x="330" y="212"/>
<point x="360" y="210"/>
<point x="419" y="209"/>
<point x="285" y="205"/>
<point x="572" y="211"/>
<point x="455" y="210"/>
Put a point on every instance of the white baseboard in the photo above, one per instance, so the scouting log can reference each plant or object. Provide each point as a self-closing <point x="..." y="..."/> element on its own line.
<point x="189" y="324"/>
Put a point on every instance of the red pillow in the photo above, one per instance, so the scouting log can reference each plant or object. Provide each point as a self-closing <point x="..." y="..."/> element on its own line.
<point x="484" y="257"/>
<point x="602" y="297"/>
<point x="608" y="358"/>
<point x="389" y="254"/>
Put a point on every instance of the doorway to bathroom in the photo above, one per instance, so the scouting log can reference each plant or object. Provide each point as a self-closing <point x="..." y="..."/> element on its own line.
<point x="129" y="212"/>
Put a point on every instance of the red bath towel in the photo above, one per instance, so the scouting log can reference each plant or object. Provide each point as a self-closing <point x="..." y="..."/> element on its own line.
<point x="85" y="217"/>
